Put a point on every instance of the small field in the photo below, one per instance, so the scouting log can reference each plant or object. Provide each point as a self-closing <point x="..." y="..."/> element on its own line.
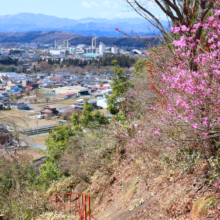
<point x="38" y="139"/>
<point x="67" y="101"/>
<point x="24" y="119"/>
<point x="38" y="106"/>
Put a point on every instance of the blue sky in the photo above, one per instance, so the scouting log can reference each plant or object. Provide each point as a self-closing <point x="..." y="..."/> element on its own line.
<point x="74" y="9"/>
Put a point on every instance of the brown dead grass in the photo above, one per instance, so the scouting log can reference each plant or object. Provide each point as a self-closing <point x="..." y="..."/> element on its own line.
<point x="40" y="140"/>
<point x="15" y="113"/>
<point x="20" y="118"/>
<point x="103" y="111"/>
<point x="31" y="154"/>
<point x="161" y="196"/>
<point x="67" y="101"/>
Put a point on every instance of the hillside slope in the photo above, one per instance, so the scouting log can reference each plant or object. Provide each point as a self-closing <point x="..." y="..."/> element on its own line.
<point x="165" y="195"/>
<point x="74" y="39"/>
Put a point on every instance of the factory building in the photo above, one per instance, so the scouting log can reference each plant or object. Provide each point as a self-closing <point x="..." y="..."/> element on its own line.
<point x="114" y="50"/>
<point x="79" y="90"/>
<point x="101" y="49"/>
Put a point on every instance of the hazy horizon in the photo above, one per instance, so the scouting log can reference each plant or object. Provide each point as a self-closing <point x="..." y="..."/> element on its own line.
<point x="74" y="18"/>
<point x="75" y="9"/>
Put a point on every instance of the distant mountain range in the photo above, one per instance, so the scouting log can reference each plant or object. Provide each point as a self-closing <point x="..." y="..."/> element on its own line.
<point x="28" y="22"/>
<point x="74" y="39"/>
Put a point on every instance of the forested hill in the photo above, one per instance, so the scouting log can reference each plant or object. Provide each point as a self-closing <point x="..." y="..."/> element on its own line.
<point x="74" y="39"/>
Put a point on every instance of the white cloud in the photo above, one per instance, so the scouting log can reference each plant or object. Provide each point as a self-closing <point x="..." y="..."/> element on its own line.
<point x="106" y="3"/>
<point x="89" y="5"/>
<point x="95" y="4"/>
<point x="152" y="5"/>
<point x="86" y="4"/>
<point x="109" y="4"/>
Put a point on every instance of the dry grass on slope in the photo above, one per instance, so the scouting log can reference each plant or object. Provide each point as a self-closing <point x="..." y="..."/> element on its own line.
<point x="166" y="193"/>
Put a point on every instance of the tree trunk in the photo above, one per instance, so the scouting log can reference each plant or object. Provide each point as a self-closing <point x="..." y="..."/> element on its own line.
<point x="208" y="148"/>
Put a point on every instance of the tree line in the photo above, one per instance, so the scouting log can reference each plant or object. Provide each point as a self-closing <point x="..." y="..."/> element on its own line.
<point x="122" y="60"/>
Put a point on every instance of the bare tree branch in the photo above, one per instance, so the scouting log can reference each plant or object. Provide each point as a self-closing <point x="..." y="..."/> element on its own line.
<point x="177" y="11"/>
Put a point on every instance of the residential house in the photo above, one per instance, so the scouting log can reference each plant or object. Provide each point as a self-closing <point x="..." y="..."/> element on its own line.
<point x="65" y="75"/>
<point x="20" y="105"/>
<point x="81" y="102"/>
<point x="70" y="95"/>
<point x="13" y="87"/>
<point x="49" y="110"/>
<point x="4" y="98"/>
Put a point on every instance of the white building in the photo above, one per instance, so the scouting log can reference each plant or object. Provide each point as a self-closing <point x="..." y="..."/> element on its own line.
<point x="122" y="51"/>
<point x="55" y="52"/>
<point x="102" y="103"/>
<point x="79" y="90"/>
<point x="101" y="49"/>
<point x="114" y="50"/>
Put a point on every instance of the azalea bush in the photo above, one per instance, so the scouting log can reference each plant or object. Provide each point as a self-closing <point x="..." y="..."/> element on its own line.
<point x="178" y="99"/>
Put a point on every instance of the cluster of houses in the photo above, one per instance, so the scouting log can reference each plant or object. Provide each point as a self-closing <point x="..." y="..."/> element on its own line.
<point x="58" y="85"/>
<point x="16" y="83"/>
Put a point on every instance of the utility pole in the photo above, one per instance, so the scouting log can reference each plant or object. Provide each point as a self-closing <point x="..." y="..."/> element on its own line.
<point x="37" y="127"/>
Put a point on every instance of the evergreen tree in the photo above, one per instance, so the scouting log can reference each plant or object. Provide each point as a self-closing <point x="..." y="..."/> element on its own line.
<point x="120" y="84"/>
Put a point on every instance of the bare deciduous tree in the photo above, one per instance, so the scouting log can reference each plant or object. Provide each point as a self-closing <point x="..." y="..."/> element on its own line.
<point x="44" y="66"/>
<point x="183" y="12"/>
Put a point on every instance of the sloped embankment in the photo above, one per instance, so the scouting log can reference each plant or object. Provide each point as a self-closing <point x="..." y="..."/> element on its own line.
<point x="127" y="196"/>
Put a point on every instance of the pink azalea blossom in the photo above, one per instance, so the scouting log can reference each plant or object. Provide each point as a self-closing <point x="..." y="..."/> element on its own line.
<point x="195" y="125"/>
<point x="184" y="28"/>
<point x="180" y="43"/>
<point x="197" y="25"/>
<point x="205" y="121"/>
